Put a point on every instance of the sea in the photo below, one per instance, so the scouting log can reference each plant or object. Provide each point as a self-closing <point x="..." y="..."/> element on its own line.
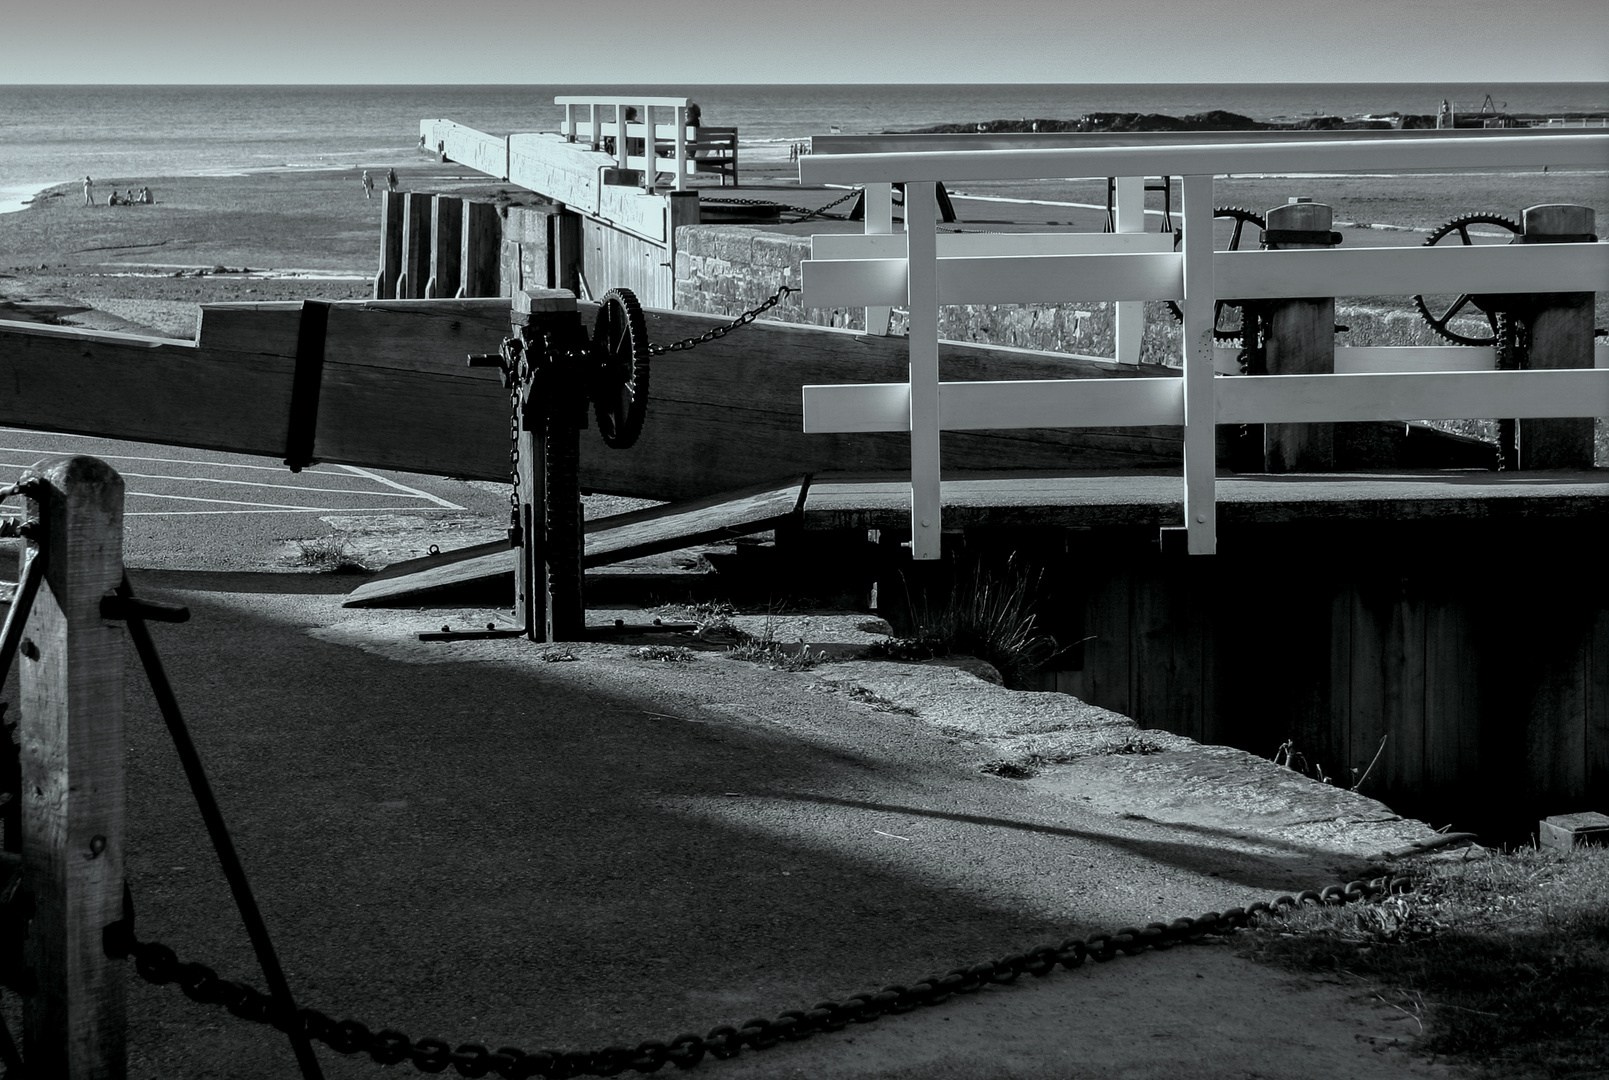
<point x="52" y="135"/>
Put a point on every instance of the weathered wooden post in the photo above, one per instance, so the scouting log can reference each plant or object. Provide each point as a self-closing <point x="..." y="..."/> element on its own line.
<point x="385" y="278"/>
<point x="1560" y="332"/>
<point x="415" y="245"/>
<point x="73" y="755"/>
<point x="482" y="246"/>
<point x="1300" y="341"/>
<point x="551" y="414"/>
<point x="446" y="246"/>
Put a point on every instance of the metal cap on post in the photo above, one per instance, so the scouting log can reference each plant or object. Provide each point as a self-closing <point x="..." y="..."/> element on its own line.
<point x="1560" y="336"/>
<point x="1301" y="339"/>
<point x="73" y="774"/>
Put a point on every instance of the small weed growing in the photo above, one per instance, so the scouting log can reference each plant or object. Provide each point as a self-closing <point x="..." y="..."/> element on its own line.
<point x="764" y="648"/>
<point x="1503" y="960"/>
<point x="1134" y="744"/>
<point x="1020" y="769"/>
<point x="327" y="555"/>
<point x="706" y="616"/>
<point x="558" y="656"/>
<point x="667" y="654"/>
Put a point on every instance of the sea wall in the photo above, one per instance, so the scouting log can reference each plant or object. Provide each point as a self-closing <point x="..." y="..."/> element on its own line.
<point x="728" y="269"/>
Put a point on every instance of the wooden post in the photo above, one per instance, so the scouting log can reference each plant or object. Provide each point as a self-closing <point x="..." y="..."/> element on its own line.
<point x="921" y="241"/>
<point x="385" y="279"/>
<point x="446" y="246"/>
<point x="683" y="210"/>
<point x="1200" y="398"/>
<point x="1301" y="341"/>
<point x="1130" y="218"/>
<point x="482" y="245"/>
<point x="548" y="573"/>
<point x="415" y="245"/>
<point x="1560" y="337"/>
<point x="879" y="202"/>
<point x="569" y="261"/>
<point x="72" y="776"/>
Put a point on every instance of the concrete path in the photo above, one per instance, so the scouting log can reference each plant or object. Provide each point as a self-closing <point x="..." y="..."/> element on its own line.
<point x="484" y="842"/>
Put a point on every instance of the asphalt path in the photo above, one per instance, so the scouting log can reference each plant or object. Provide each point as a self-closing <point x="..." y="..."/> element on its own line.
<point x="200" y="509"/>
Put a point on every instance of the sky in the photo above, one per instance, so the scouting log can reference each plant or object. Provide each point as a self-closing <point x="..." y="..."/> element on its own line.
<point x="661" y="42"/>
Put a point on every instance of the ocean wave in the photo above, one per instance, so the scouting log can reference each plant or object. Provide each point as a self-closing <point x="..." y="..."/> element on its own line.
<point x="15" y="197"/>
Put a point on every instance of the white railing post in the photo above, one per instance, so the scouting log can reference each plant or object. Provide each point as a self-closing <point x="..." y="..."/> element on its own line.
<point x="1200" y="398"/>
<point x="620" y="135"/>
<point x="681" y="148"/>
<point x="1130" y="218"/>
<point x="921" y="239"/>
<point x="879" y="202"/>
<point x="593" y="139"/>
<point x="569" y="123"/>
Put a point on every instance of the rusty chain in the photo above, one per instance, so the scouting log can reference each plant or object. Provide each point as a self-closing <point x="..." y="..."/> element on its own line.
<point x="715" y="333"/>
<point x="158" y="964"/>
<point x="511" y="349"/>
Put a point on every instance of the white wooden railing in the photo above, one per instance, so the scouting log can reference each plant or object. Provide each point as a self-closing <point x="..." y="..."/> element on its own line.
<point x="592" y="119"/>
<point x="921" y="270"/>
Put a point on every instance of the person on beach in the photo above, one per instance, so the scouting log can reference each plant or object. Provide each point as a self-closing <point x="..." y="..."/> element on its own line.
<point x="89" y="196"/>
<point x="391" y="179"/>
<point x="368" y="185"/>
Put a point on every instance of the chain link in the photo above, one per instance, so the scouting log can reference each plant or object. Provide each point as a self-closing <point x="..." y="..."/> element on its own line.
<point x="512" y="348"/>
<point x="808" y="212"/>
<point x="157" y="963"/>
<point x="718" y="332"/>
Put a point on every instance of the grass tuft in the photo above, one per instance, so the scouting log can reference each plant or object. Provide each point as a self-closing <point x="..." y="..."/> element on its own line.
<point x="1504" y="960"/>
<point x="666" y="654"/>
<point x="988" y="614"/>
<point x="327" y="555"/>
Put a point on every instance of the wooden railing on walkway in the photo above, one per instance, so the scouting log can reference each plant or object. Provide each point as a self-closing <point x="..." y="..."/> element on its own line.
<point x="914" y="271"/>
<point x="622" y="125"/>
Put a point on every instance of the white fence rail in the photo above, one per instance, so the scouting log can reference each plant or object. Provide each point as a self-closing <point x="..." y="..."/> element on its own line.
<point x="922" y="270"/>
<point x="638" y="134"/>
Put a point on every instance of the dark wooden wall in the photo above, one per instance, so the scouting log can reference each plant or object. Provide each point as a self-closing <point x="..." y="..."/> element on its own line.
<point x="1478" y="650"/>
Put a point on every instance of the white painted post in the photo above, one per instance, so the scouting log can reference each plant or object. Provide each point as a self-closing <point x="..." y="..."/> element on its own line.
<point x="1130" y="313"/>
<point x="879" y="202"/>
<point x="921" y="240"/>
<point x="681" y="148"/>
<point x="620" y="134"/>
<point x="569" y="123"/>
<point x="593" y="140"/>
<point x="1130" y="322"/>
<point x="1200" y="397"/>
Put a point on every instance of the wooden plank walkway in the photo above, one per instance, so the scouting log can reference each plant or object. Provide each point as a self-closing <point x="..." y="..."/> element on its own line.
<point x="996" y="500"/>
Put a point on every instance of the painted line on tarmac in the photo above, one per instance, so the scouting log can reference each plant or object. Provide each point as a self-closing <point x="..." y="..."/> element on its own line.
<point x="353" y="469"/>
<point x="364" y="492"/>
<point x="285" y="510"/>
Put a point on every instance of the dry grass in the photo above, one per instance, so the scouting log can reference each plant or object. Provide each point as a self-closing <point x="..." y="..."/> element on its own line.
<point x="1503" y="961"/>
<point x="764" y="648"/>
<point x="327" y="555"/>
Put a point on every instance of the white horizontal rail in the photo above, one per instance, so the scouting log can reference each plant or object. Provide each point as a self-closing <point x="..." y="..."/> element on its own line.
<point x="621" y="99"/>
<point x="1521" y="268"/>
<point x="1210" y="160"/>
<point x="1023" y="279"/>
<point x="860" y="280"/>
<point x="963" y="245"/>
<point x="1461" y="395"/>
<point x="1381" y="359"/>
<point x="1254" y="399"/>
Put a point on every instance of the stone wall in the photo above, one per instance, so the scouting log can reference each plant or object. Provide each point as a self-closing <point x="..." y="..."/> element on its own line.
<point x="727" y="269"/>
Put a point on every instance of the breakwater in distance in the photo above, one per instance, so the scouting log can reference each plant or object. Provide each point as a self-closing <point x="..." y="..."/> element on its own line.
<point x="1222" y="120"/>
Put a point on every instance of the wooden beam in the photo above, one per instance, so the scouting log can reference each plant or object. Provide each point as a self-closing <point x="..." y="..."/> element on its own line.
<point x="73" y="787"/>
<point x="1303" y="399"/>
<point x="385" y="278"/>
<point x="446" y="246"/>
<point x="396" y="394"/>
<point x="416" y="246"/>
